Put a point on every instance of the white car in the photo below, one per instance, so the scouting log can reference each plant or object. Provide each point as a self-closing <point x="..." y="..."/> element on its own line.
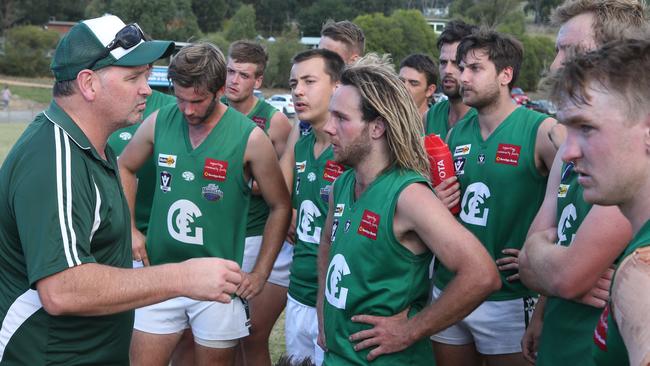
<point x="283" y="103"/>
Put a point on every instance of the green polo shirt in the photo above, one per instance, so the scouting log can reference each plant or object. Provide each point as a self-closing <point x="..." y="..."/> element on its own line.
<point x="61" y="206"/>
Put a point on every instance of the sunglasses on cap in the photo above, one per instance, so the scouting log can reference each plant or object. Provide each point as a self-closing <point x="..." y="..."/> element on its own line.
<point x="127" y="38"/>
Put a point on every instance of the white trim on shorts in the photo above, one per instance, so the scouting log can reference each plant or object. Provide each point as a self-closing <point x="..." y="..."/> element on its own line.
<point x="495" y="327"/>
<point x="301" y="332"/>
<point x="280" y="272"/>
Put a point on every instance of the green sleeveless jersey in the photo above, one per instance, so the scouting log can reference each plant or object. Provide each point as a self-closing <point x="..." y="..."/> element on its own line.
<point x="147" y="173"/>
<point x="501" y="188"/>
<point x="312" y="184"/>
<point x="370" y="272"/>
<point x="437" y="119"/>
<point x="201" y="201"/>
<point x="608" y="348"/>
<point x="568" y="325"/>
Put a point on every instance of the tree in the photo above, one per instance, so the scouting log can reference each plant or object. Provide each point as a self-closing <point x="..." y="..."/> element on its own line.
<point x="539" y="52"/>
<point x="162" y="19"/>
<point x="209" y="14"/>
<point x="28" y="54"/>
<point x="281" y="51"/>
<point x="489" y="13"/>
<point x="241" y="25"/>
<point x="541" y="9"/>
<point x="311" y="19"/>
<point x="403" y="33"/>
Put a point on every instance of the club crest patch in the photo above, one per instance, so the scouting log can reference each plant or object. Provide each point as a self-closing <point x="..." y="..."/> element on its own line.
<point x="211" y="192"/>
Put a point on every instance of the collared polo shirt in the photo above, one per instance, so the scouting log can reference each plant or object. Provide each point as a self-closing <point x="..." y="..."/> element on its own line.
<point x="61" y="205"/>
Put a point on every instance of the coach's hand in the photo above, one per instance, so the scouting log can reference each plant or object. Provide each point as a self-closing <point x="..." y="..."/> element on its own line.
<point x="388" y="335"/>
<point x="448" y="191"/>
<point x="211" y="279"/>
<point x="138" y="241"/>
<point x="509" y="263"/>
<point x="251" y="285"/>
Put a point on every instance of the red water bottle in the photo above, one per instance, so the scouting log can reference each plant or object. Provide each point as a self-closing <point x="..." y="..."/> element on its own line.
<point x="442" y="164"/>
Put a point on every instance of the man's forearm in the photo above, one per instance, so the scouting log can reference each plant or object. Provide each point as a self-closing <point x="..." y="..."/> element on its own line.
<point x="275" y="231"/>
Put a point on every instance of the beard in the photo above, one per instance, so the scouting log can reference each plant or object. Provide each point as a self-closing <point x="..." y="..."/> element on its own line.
<point x="483" y="98"/>
<point x="356" y="151"/>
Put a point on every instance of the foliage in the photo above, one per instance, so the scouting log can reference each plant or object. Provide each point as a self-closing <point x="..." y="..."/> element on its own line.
<point x="312" y="18"/>
<point x="217" y="39"/>
<point x="162" y="19"/>
<point x="26" y="50"/>
<point x="539" y="52"/>
<point x="209" y="14"/>
<point x="487" y="13"/>
<point x="402" y="33"/>
<point x="541" y="9"/>
<point x="241" y="25"/>
<point x="281" y="51"/>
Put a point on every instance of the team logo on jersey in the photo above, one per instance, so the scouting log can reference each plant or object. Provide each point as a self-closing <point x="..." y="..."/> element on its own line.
<point x="167" y="161"/>
<point x="260" y="122"/>
<point x="211" y="192"/>
<point x="462" y="150"/>
<point x="215" y="169"/>
<point x="301" y="166"/>
<point x="567" y="171"/>
<point x="338" y="210"/>
<point x="311" y="176"/>
<point x="600" y="333"/>
<point x="347" y="226"/>
<point x="125" y="136"/>
<point x="459" y="165"/>
<point x="481" y="159"/>
<point x="181" y="222"/>
<point x="306" y="229"/>
<point x="165" y="181"/>
<point x="188" y="176"/>
<point x="332" y="170"/>
<point x="325" y="193"/>
<point x="474" y="204"/>
<point x="567" y="221"/>
<point x="334" y="293"/>
<point x="562" y="190"/>
<point x="335" y="225"/>
<point x="508" y="154"/>
<point x="369" y="225"/>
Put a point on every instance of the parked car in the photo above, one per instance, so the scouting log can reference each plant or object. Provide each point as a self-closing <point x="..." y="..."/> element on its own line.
<point x="519" y="96"/>
<point x="258" y="93"/>
<point x="543" y="106"/>
<point x="283" y="103"/>
<point x="158" y="79"/>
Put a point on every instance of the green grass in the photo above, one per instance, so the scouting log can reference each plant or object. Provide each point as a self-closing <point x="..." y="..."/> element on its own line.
<point x="276" y="340"/>
<point x="39" y="95"/>
<point x="9" y="133"/>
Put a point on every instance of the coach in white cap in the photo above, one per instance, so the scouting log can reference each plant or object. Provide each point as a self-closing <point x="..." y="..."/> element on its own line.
<point x="66" y="287"/>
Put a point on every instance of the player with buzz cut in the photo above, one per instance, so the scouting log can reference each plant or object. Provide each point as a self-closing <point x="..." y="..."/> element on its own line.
<point x="309" y="169"/>
<point x="502" y="157"/>
<point x="418" y="72"/>
<point x="246" y="62"/>
<point x="206" y="155"/>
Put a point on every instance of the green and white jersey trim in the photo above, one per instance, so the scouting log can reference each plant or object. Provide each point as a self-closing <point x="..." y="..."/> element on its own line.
<point x="24" y="307"/>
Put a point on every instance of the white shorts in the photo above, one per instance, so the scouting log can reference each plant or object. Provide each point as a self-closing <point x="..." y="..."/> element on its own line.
<point x="495" y="327"/>
<point x="210" y="321"/>
<point x="301" y="332"/>
<point x="280" y="273"/>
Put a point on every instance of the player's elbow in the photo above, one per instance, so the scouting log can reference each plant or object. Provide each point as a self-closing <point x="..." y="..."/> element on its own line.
<point x="567" y="289"/>
<point x="53" y="303"/>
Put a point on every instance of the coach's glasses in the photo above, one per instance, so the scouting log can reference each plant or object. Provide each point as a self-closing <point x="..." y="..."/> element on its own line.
<point x="127" y="38"/>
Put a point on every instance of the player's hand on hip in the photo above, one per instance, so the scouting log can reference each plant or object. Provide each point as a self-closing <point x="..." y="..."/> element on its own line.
<point x="388" y="334"/>
<point x="251" y="285"/>
<point x="138" y="246"/>
<point x="448" y="191"/>
<point x="509" y="263"/>
<point x="212" y="279"/>
<point x="599" y="294"/>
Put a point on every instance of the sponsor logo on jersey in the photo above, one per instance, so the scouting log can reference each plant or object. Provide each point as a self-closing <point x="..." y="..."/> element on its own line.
<point x="481" y="159"/>
<point x="188" y="176"/>
<point x="474" y="204"/>
<point x="338" y="210"/>
<point x="125" y="136"/>
<point x="459" y="165"/>
<point x="462" y="150"/>
<point x="567" y="221"/>
<point x="165" y="181"/>
<point x="567" y="171"/>
<point x="311" y="176"/>
<point x="335" y="225"/>
<point x="508" y="154"/>
<point x="211" y="192"/>
<point x="306" y="228"/>
<point x="215" y="169"/>
<point x="334" y="293"/>
<point x="369" y="225"/>
<point x="347" y="226"/>
<point x="301" y="166"/>
<point x="167" y="161"/>
<point x="332" y="170"/>
<point x="181" y="222"/>
<point x="600" y="333"/>
<point x="325" y="193"/>
<point x="562" y="190"/>
<point x="260" y="122"/>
